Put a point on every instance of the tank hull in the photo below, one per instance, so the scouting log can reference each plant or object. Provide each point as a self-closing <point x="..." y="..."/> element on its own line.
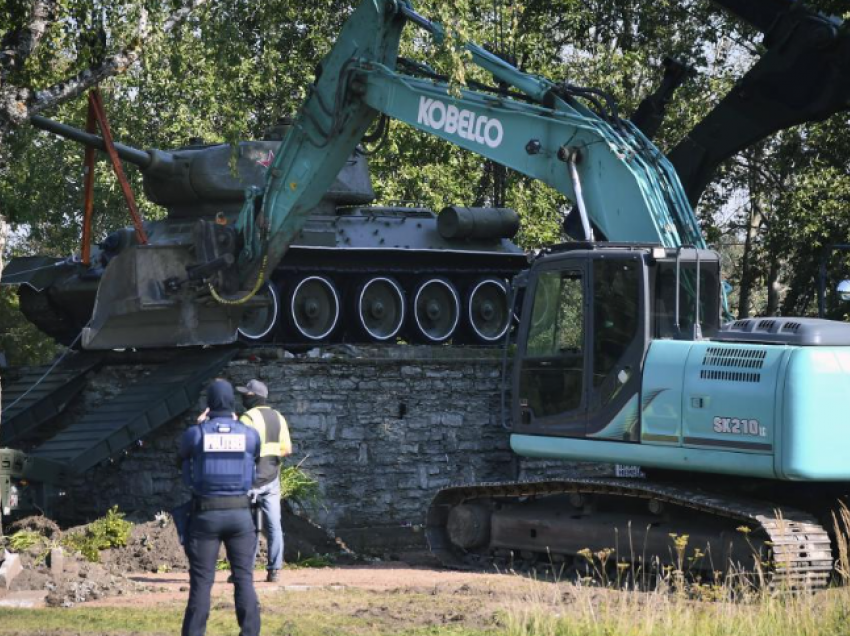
<point x="353" y="273"/>
<point x="348" y="250"/>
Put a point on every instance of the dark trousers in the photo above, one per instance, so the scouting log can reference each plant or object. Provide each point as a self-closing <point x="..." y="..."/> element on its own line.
<point x="207" y="530"/>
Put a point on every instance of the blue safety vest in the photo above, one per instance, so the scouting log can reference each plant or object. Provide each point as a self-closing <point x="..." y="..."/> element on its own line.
<point x="223" y="458"/>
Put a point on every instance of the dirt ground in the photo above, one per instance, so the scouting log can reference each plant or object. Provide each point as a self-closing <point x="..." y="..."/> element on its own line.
<point x="152" y="548"/>
<point x="375" y="577"/>
<point x="145" y="584"/>
<point x="377" y="598"/>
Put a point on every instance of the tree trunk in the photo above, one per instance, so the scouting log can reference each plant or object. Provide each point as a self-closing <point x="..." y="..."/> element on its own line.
<point x="4" y="229"/>
<point x="748" y="267"/>
<point x="773" y="287"/>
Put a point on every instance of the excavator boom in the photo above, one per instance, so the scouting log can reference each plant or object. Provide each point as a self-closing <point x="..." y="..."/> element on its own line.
<point x="625" y="186"/>
<point x="620" y="182"/>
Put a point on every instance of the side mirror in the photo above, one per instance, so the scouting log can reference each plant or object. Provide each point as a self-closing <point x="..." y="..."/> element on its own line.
<point x="843" y="290"/>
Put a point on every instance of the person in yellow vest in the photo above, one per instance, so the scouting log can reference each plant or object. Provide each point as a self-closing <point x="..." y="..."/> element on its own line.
<point x="275" y="444"/>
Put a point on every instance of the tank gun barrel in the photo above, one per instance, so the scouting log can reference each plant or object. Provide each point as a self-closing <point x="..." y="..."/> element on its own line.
<point x="144" y="159"/>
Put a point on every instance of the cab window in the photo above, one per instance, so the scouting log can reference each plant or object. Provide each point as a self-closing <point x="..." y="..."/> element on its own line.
<point x="557" y="320"/>
<point x="664" y="313"/>
<point x="552" y="378"/>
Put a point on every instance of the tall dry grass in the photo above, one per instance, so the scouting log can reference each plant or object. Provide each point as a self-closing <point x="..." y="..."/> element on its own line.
<point x="674" y="608"/>
<point x="588" y="612"/>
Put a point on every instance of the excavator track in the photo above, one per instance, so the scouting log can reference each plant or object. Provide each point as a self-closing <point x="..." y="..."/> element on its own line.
<point x="800" y="548"/>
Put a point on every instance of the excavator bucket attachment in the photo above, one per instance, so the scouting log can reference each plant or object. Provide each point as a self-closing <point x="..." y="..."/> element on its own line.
<point x="144" y="300"/>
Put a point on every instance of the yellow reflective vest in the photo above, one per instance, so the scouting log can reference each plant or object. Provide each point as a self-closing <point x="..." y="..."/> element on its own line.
<point x="274" y="442"/>
<point x="273" y="430"/>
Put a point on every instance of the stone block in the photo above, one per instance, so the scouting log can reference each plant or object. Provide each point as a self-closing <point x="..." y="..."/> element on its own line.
<point x="307" y="421"/>
<point x="272" y="375"/>
<point x="56" y="562"/>
<point x="161" y="486"/>
<point x="353" y="432"/>
<point x="330" y="432"/>
<point x="10" y="568"/>
<point x="139" y="482"/>
<point x="297" y="406"/>
<point x="451" y="419"/>
<point x="418" y="436"/>
<point x="321" y="408"/>
<point x="363" y="454"/>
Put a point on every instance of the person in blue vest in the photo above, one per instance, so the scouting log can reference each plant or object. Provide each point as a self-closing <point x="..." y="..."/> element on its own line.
<point x="219" y="456"/>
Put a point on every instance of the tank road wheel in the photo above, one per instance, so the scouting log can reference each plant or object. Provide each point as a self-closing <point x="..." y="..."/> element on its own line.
<point x="488" y="313"/>
<point x="258" y="322"/>
<point x="436" y="310"/>
<point x="313" y="308"/>
<point x="380" y="309"/>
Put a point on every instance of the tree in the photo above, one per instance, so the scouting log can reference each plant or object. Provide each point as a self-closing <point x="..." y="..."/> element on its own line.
<point x="52" y="51"/>
<point x="232" y="69"/>
<point x="33" y="79"/>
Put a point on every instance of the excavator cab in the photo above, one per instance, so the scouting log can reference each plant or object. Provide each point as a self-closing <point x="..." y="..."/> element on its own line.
<point x="589" y="315"/>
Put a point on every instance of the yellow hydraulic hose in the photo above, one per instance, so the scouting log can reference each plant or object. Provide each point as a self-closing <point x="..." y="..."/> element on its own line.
<point x="239" y="301"/>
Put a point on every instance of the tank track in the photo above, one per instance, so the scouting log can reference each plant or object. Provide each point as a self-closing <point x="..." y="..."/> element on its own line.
<point x="802" y="552"/>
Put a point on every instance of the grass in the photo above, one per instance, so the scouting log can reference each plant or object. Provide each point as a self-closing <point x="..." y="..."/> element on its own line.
<point x="528" y="609"/>
<point x="109" y="531"/>
<point x="505" y="605"/>
<point x="658" y="614"/>
<point x="314" y="613"/>
<point x="510" y="606"/>
<point x="734" y="609"/>
<point x="24" y="540"/>
<point x="314" y="561"/>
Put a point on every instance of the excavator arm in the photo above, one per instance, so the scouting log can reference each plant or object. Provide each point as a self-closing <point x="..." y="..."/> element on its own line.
<point x="622" y="184"/>
<point x="328" y="128"/>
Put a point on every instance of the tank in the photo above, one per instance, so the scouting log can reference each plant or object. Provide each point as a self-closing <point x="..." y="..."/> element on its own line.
<point x="356" y="273"/>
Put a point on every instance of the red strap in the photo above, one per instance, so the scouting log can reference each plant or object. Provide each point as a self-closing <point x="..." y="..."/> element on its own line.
<point x="96" y="103"/>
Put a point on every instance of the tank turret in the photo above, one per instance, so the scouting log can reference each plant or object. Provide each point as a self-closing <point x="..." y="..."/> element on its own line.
<point x="201" y="180"/>
<point x="356" y="272"/>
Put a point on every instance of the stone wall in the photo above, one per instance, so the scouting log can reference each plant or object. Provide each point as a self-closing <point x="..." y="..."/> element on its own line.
<point x="382" y="429"/>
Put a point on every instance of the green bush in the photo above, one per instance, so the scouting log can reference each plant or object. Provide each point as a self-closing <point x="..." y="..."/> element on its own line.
<point x="24" y="540"/>
<point x="110" y="531"/>
<point x="297" y="486"/>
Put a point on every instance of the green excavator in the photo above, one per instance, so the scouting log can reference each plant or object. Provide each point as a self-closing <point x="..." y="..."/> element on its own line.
<point x="620" y="357"/>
